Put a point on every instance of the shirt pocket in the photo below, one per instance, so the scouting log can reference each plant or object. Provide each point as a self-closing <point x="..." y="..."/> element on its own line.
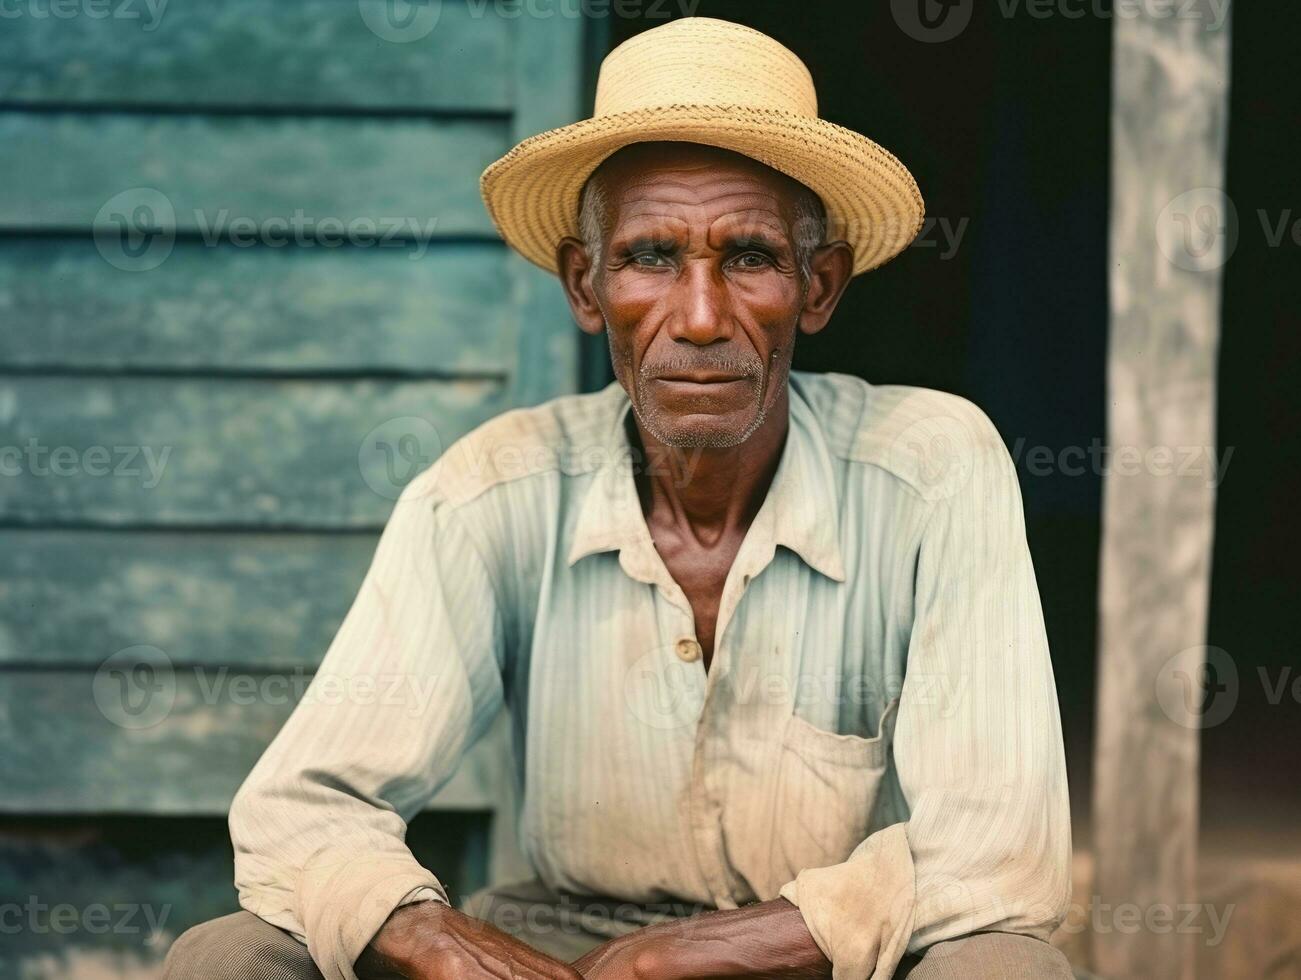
<point x="826" y="788"/>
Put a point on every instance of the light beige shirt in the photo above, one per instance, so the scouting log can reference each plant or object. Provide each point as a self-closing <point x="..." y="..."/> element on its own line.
<point x="877" y="738"/>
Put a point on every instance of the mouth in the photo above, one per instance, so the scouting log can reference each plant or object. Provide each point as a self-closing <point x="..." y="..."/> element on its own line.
<point x="700" y="378"/>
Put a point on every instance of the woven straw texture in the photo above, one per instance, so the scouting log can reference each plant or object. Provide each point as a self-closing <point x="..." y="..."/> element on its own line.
<point x="702" y="80"/>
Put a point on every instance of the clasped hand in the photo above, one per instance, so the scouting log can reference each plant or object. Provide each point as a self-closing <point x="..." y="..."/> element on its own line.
<point x="432" y="941"/>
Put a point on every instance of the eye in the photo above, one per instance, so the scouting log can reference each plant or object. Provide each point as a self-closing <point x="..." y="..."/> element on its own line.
<point x="648" y="260"/>
<point x="752" y="260"/>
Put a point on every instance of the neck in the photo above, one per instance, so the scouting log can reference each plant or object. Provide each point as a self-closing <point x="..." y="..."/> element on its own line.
<point x="711" y="492"/>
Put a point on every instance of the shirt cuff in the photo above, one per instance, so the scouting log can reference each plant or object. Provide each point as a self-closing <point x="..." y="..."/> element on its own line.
<point x="860" y="912"/>
<point x="344" y="897"/>
<point x="422" y="894"/>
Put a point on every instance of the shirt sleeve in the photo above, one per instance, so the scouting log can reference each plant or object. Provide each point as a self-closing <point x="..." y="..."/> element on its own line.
<point x="977" y="746"/>
<point x="410" y="681"/>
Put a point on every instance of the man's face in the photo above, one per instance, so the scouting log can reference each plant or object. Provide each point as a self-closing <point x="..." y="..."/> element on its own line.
<point x="700" y="289"/>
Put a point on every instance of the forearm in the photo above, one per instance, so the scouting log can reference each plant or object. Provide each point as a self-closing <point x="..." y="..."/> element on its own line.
<point x="403" y="941"/>
<point x="767" y="940"/>
<point x="433" y="941"/>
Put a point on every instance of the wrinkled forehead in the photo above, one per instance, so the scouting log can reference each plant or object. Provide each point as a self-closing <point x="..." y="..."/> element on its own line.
<point x="691" y="182"/>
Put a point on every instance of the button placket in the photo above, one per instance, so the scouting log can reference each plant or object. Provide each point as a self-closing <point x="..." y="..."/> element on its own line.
<point x="705" y="833"/>
<point x="712" y="749"/>
<point x="757" y="551"/>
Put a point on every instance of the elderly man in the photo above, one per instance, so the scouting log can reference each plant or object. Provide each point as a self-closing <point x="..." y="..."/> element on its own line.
<point x="770" y="642"/>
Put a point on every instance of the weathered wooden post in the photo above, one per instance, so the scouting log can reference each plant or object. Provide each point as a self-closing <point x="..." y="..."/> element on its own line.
<point x="1172" y="230"/>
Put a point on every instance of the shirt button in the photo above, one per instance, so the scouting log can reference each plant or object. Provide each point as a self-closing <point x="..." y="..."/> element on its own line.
<point x="688" y="649"/>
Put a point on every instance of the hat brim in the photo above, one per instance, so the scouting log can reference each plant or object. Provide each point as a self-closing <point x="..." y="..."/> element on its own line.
<point x="872" y="201"/>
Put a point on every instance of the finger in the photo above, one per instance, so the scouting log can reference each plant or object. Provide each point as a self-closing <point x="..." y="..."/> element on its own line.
<point x="532" y="963"/>
<point x="507" y="958"/>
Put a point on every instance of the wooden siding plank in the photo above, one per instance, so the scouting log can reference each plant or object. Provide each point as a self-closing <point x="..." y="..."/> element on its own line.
<point x="68" y="749"/>
<point x="253" y="177"/>
<point x="256" y="601"/>
<point x="308" y="53"/>
<point x="287" y="310"/>
<point x="548" y="341"/>
<point x="136" y="883"/>
<point x="223" y="452"/>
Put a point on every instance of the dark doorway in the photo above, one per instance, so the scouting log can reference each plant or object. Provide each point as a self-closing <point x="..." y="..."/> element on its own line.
<point x="1003" y="298"/>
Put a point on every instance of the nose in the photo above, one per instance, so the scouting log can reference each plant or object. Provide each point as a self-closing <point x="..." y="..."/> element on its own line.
<point x="703" y="313"/>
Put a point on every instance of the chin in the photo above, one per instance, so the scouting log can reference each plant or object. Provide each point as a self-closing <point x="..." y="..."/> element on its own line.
<point x="701" y="431"/>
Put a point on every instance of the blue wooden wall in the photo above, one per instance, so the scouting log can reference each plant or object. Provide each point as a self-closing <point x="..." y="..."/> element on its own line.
<point x="208" y="405"/>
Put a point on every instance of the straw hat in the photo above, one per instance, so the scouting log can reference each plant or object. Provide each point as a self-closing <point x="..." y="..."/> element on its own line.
<point x="702" y="80"/>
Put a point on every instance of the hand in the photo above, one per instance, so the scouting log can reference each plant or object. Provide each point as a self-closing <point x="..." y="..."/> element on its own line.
<point x="433" y="941"/>
<point x="764" y="941"/>
<point x="638" y="956"/>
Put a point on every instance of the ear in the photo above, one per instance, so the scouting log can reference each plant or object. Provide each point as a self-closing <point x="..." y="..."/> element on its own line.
<point x="575" y="269"/>
<point x="830" y="270"/>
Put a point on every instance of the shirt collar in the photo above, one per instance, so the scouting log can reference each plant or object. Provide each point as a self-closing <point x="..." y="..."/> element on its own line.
<point x="801" y="510"/>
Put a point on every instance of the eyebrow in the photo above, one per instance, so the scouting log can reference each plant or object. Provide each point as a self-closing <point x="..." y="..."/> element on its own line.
<point x="759" y="239"/>
<point x="656" y="236"/>
<point x="753" y="228"/>
<point x="652" y="242"/>
<point x="739" y="242"/>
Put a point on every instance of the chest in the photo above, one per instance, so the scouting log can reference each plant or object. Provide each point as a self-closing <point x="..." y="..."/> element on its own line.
<point x="607" y="661"/>
<point x="701" y="571"/>
<point x="608" y="684"/>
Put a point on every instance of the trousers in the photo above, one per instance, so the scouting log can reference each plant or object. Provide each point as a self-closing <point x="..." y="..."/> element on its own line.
<point x="242" y="946"/>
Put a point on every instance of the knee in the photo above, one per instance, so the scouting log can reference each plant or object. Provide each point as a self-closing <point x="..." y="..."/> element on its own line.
<point x="237" y="947"/>
<point x="989" y="956"/>
<point x="188" y="950"/>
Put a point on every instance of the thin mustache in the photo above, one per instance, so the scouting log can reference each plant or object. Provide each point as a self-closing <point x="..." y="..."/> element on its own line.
<point x="739" y="366"/>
